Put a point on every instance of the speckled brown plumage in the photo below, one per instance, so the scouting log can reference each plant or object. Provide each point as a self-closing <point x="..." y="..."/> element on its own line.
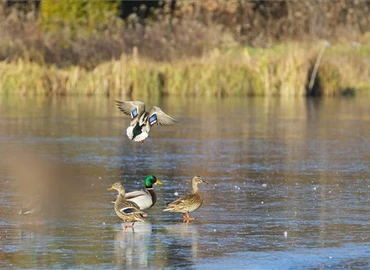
<point x="188" y="203"/>
<point x="128" y="211"/>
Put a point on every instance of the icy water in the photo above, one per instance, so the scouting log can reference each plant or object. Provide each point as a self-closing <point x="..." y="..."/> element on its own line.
<point x="288" y="184"/>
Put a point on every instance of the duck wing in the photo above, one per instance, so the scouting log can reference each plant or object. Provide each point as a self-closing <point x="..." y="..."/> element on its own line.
<point x="129" y="208"/>
<point x="156" y="115"/>
<point x="132" y="108"/>
<point x="135" y="194"/>
<point x="123" y="203"/>
<point x="143" y="199"/>
<point x="180" y="201"/>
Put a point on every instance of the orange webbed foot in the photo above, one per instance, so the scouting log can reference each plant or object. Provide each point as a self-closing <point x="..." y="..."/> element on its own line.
<point x="186" y="217"/>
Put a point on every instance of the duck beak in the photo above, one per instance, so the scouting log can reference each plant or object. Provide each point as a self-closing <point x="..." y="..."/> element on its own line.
<point x="204" y="182"/>
<point x="158" y="182"/>
<point x="111" y="188"/>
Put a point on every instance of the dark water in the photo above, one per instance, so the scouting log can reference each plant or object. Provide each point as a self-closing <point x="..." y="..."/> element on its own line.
<point x="289" y="184"/>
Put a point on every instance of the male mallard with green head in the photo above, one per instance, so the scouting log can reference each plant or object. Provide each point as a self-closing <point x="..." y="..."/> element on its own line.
<point x="128" y="211"/>
<point x="188" y="203"/>
<point x="142" y="120"/>
<point x="145" y="198"/>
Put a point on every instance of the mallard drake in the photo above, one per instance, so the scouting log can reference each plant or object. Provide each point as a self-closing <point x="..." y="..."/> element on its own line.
<point x="188" y="203"/>
<point x="145" y="198"/>
<point x="128" y="211"/>
<point x="142" y="120"/>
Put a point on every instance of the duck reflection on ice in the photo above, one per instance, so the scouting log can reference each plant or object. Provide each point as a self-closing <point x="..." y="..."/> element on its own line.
<point x="131" y="249"/>
<point x="181" y="243"/>
<point x="149" y="246"/>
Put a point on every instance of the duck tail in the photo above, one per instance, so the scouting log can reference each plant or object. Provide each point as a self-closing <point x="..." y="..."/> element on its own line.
<point x="141" y="137"/>
<point x="130" y="132"/>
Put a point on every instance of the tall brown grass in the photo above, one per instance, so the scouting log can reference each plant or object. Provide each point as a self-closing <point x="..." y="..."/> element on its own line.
<point x="199" y="48"/>
<point x="283" y="70"/>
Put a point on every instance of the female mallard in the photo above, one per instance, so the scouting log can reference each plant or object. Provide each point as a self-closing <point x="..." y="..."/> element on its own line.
<point x="144" y="198"/>
<point x="142" y="120"/>
<point x="128" y="211"/>
<point x="188" y="203"/>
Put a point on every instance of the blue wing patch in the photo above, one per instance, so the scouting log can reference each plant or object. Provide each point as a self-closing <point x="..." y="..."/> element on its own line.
<point x="134" y="113"/>
<point x="153" y="119"/>
<point x="127" y="210"/>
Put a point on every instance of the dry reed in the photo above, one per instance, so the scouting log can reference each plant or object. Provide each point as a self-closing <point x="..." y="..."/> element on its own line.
<point x="282" y="70"/>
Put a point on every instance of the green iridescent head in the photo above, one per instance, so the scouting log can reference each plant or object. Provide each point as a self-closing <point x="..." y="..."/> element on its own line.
<point x="150" y="180"/>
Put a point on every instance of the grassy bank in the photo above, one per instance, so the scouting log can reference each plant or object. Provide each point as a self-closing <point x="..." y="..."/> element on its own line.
<point x="197" y="48"/>
<point x="281" y="70"/>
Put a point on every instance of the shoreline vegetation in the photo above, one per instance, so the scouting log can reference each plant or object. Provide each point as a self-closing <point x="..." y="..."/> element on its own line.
<point x="173" y="54"/>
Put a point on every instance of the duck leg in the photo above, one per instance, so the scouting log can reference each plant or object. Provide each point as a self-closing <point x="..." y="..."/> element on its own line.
<point x="128" y="226"/>
<point x="187" y="217"/>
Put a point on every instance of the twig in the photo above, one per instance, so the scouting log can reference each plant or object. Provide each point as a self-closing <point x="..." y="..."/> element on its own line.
<point x="316" y="67"/>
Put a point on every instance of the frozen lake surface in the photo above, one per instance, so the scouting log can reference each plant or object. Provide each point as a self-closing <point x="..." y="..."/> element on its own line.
<point x="289" y="184"/>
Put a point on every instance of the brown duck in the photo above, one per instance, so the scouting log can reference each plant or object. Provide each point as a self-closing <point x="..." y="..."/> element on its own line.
<point x="128" y="211"/>
<point x="188" y="203"/>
